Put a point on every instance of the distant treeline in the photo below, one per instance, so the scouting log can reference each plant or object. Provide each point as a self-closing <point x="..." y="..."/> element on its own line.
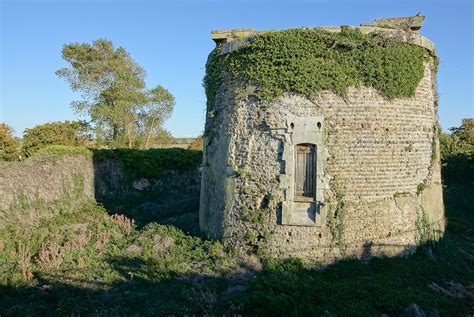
<point x="69" y="133"/>
<point x="74" y="133"/>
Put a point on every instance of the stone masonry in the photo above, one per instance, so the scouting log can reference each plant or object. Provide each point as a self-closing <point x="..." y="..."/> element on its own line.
<point x="378" y="185"/>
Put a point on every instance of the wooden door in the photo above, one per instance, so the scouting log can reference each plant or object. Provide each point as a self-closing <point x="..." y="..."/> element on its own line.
<point x="305" y="172"/>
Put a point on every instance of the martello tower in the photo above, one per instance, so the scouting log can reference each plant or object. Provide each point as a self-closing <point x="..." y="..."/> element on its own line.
<point x="322" y="142"/>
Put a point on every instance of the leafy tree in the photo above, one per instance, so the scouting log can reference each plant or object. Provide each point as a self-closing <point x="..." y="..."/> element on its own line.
<point x="9" y="147"/>
<point x="153" y="114"/>
<point x="73" y="133"/>
<point x="114" y="94"/>
<point x="465" y="132"/>
<point x="457" y="154"/>
<point x="159" y="137"/>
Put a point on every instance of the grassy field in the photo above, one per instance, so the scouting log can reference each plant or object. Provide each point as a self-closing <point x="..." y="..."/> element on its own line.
<point x="89" y="262"/>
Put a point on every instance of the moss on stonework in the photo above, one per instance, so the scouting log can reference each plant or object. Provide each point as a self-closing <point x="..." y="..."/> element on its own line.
<point x="421" y="187"/>
<point x="307" y="61"/>
<point x="336" y="221"/>
<point x="255" y="217"/>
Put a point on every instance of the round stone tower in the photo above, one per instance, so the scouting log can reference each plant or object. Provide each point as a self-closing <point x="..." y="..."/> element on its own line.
<point x="322" y="143"/>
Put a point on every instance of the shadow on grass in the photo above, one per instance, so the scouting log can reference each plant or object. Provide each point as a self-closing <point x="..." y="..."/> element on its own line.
<point x="439" y="278"/>
<point x="140" y="291"/>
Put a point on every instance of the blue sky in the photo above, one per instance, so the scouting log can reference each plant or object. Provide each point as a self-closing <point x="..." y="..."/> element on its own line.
<point x="171" y="41"/>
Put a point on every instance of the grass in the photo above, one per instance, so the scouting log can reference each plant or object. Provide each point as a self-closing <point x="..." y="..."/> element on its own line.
<point x="89" y="262"/>
<point x="382" y="286"/>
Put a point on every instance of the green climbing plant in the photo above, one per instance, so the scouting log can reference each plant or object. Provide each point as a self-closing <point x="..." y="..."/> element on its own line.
<point x="215" y="67"/>
<point x="307" y="61"/>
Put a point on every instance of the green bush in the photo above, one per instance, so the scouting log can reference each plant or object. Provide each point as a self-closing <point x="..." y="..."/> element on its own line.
<point x="9" y="147"/>
<point x="457" y="155"/>
<point x="70" y="133"/>
<point x="465" y="132"/>
<point x="153" y="162"/>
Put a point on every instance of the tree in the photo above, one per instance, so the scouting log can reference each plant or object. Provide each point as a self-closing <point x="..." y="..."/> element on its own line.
<point x="160" y="137"/>
<point x="72" y="133"/>
<point x="465" y="132"/>
<point x="9" y="147"/>
<point x="114" y="93"/>
<point x="152" y="115"/>
<point x="457" y="153"/>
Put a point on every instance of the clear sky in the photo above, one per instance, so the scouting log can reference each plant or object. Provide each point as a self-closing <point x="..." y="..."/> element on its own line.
<point x="171" y="41"/>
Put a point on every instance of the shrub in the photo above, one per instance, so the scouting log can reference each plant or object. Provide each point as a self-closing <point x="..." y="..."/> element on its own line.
<point x="56" y="152"/>
<point x="457" y="155"/>
<point x="24" y="260"/>
<point x="50" y="257"/>
<point x="197" y="144"/>
<point x="71" y="133"/>
<point x="152" y="163"/>
<point x="125" y="224"/>
<point x="466" y="131"/>
<point x="9" y="147"/>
